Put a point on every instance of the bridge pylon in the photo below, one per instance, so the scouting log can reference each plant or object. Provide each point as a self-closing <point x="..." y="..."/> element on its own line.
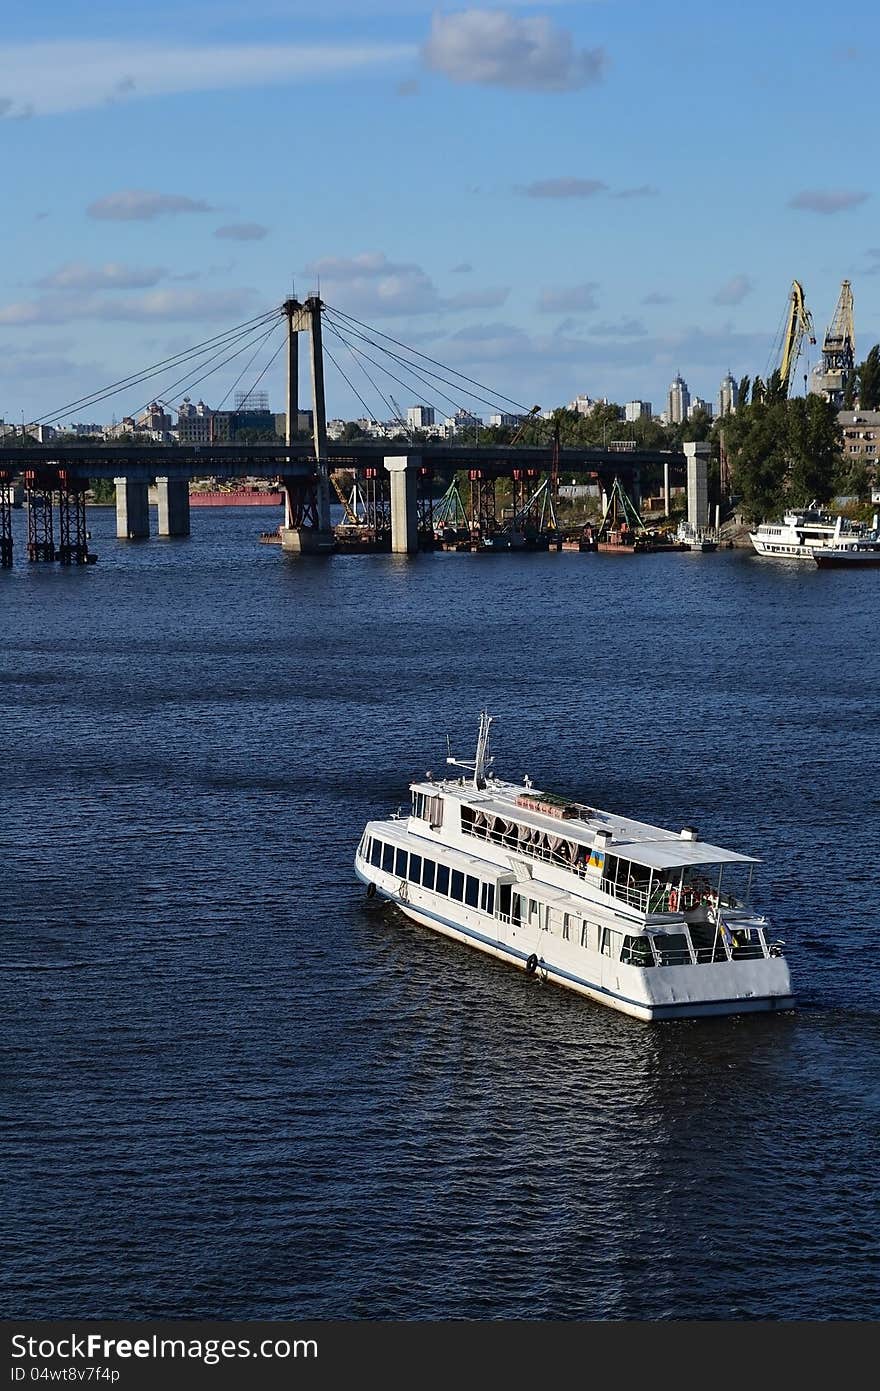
<point x="307" y="527"/>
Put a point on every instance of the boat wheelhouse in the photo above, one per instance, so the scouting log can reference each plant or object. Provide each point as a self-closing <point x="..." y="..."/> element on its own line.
<point x="655" y="923"/>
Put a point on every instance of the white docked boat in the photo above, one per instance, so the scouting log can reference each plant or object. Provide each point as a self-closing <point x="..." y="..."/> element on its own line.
<point x="693" y="538"/>
<point x="655" y="923"/>
<point x="800" y="534"/>
<point x="855" y="551"/>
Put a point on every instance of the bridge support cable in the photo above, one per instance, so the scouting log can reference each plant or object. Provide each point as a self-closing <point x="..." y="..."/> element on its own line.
<point x="496" y="395"/>
<point x="393" y="412"/>
<point x="185" y="384"/>
<point x="422" y="374"/>
<point x="134" y="379"/>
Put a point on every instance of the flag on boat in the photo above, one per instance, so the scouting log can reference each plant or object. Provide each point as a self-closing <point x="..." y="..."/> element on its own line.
<point x="726" y="935"/>
<point x="596" y="860"/>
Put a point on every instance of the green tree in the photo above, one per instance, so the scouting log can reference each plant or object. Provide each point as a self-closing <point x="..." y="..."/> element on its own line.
<point x="869" y="381"/>
<point x="814" y="441"/>
<point x="351" y="431"/>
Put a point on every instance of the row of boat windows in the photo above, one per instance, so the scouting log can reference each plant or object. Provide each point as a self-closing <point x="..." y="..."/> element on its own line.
<point x="520" y="910"/>
<point x="418" y="869"/>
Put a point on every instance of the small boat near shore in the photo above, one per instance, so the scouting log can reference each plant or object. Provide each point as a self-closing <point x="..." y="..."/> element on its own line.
<point x="692" y="538"/>
<point x="657" y="924"/>
<point x="854" y="552"/>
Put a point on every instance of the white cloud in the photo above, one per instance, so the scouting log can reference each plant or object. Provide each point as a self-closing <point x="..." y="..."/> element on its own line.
<point x="370" y="284"/>
<point x="155" y="305"/>
<point x="734" y="291"/>
<point x="827" y="201"/>
<point x="44" y="79"/>
<point x="498" y="49"/>
<point x="77" y="275"/>
<point x="566" y="299"/>
<point x="242" y="231"/>
<point x="140" y="205"/>
<point x="565" y="188"/>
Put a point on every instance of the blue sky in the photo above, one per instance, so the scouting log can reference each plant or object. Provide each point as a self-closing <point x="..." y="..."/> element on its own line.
<point x="553" y="197"/>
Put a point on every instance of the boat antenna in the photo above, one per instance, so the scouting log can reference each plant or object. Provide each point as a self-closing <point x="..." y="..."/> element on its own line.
<point x="482" y="761"/>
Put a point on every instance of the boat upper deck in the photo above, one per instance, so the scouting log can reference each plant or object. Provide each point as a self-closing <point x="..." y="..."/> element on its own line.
<point x="651" y="846"/>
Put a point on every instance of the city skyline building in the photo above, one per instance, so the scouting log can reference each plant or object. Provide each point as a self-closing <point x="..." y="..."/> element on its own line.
<point x="728" y="395"/>
<point x="678" y="401"/>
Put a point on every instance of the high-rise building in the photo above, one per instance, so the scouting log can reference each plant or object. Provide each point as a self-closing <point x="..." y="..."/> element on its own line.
<point x="728" y="396"/>
<point x="419" y="417"/>
<point x="678" y="401"/>
<point x="637" y="410"/>
<point x="698" y="404"/>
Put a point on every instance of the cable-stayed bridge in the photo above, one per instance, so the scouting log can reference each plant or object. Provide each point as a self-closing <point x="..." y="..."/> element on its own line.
<point x="394" y="479"/>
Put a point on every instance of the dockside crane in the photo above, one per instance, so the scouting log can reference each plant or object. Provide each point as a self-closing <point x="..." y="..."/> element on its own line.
<point x="838" y="350"/>
<point x="799" y="325"/>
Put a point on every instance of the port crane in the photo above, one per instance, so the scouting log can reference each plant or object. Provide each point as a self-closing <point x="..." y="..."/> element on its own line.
<point x="799" y="324"/>
<point x="838" y="350"/>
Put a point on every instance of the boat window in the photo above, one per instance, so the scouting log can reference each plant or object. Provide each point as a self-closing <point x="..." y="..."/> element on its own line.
<point x="588" y="935"/>
<point x="487" y="898"/>
<point x="434" y="811"/>
<point x="610" y="943"/>
<point x="428" y="870"/>
<point x="376" y="853"/>
<point x="519" y="909"/>
<point x="535" y="914"/>
<point x="672" y="949"/>
<point x="472" y="892"/>
<point x="418" y="805"/>
<point x="388" y="858"/>
<point x="457" y="885"/>
<point x="566" y="923"/>
<point x="609" y="873"/>
<point x="637" y="951"/>
<point x="443" y="879"/>
<point x="415" y="868"/>
<point x="400" y="859"/>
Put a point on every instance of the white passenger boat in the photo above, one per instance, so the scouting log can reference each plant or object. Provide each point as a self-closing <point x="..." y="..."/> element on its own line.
<point x="655" y="923"/>
<point x="851" y="550"/>
<point x="800" y="534"/>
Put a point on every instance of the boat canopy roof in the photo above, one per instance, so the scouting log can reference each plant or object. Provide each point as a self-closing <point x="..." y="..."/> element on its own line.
<point x="651" y="846"/>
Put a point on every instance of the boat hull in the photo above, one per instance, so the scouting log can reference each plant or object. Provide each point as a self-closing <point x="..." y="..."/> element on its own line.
<point x="832" y="560"/>
<point x="239" y="497"/>
<point x="676" y="981"/>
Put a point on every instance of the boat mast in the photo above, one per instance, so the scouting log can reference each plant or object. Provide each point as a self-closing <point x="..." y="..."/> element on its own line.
<point x="482" y="761"/>
<point x="482" y="750"/>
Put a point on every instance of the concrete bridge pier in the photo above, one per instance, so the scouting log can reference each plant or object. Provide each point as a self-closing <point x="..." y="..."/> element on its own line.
<point x="173" y="499"/>
<point x="307" y="529"/>
<point x="404" y="473"/>
<point x="697" y="453"/>
<point x="132" y="510"/>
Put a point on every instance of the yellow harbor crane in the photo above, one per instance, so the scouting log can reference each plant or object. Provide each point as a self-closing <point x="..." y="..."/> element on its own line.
<point x="798" y="325"/>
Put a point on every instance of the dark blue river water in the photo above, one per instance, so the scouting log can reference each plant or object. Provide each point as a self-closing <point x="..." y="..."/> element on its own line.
<point x="233" y="1088"/>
